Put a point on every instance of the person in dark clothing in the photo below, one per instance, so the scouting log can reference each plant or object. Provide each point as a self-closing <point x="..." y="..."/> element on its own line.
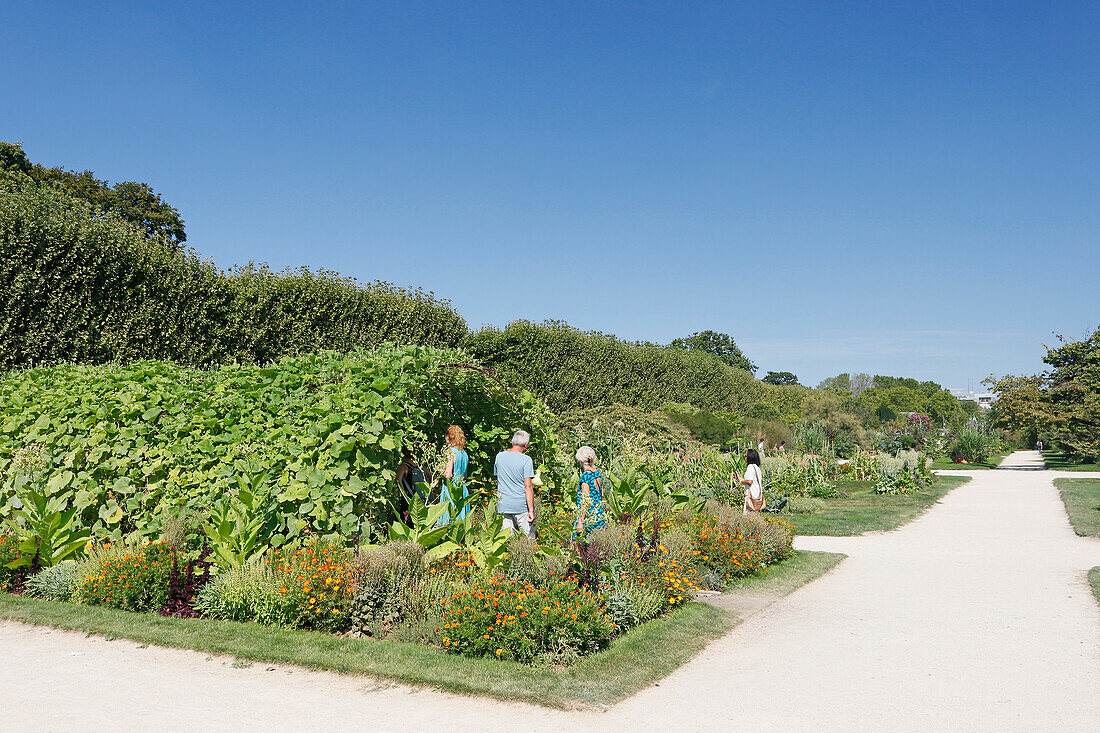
<point x="409" y="475"/>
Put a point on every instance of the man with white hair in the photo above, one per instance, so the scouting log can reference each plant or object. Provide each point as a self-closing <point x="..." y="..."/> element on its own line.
<point x="515" y="491"/>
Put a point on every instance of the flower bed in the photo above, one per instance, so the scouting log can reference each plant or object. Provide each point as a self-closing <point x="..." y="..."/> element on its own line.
<point x="514" y="619"/>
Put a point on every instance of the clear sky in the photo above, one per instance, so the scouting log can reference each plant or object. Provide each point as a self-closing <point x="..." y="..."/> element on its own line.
<point x="909" y="189"/>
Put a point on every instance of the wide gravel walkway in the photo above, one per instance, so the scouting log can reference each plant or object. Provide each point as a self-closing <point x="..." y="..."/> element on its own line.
<point x="975" y="617"/>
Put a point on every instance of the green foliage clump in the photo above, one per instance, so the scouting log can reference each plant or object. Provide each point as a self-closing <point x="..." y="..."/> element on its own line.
<point x="903" y="473"/>
<point x="250" y="592"/>
<point x="48" y="526"/>
<point x="386" y="578"/>
<point x="83" y="287"/>
<point x="707" y="427"/>
<point x="56" y="583"/>
<point x="570" y="368"/>
<point x="130" y="445"/>
<point x="972" y="445"/>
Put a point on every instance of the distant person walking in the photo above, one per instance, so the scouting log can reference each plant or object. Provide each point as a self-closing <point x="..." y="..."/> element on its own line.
<point x="590" y="514"/>
<point x="457" y="464"/>
<point x="753" y="481"/>
<point x="515" y="472"/>
<point x="760" y="447"/>
<point x="1039" y="445"/>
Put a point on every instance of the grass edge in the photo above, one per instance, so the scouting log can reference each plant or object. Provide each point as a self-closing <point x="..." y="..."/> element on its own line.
<point x="627" y="666"/>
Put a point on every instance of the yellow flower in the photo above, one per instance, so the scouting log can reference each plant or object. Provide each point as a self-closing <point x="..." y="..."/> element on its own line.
<point x="499" y="651"/>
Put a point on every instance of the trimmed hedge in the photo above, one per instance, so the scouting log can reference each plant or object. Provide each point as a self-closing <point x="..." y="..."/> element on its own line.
<point x="83" y="287"/>
<point x="572" y="369"/>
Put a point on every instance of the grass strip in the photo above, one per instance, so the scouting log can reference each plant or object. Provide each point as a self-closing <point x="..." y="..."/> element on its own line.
<point x="1082" y="499"/>
<point x="1056" y="460"/>
<point x="637" y="659"/>
<point x="1094" y="581"/>
<point x="946" y="464"/>
<point x="862" y="510"/>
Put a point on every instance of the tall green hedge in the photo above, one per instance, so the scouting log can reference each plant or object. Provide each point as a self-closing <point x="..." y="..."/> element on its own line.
<point x="83" y="287"/>
<point x="570" y="369"/>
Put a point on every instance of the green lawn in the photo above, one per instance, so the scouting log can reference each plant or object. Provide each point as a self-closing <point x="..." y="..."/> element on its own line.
<point x="1094" y="581"/>
<point x="945" y="463"/>
<point x="1058" y="461"/>
<point x="1082" y="499"/>
<point x="865" y="511"/>
<point x="636" y="660"/>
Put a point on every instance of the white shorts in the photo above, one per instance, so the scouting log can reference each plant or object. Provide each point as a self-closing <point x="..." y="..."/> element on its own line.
<point x="519" y="521"/>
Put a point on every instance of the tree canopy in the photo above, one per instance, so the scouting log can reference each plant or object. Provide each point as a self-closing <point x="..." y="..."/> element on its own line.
<point x="1064" y="402"/>
<point x="135" y="202"/>
<point x="780" y="378"/>
<point x="721" y="345"/>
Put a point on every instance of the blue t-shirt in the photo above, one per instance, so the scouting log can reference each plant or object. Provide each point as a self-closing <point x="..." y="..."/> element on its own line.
<point x="511" y="468"/>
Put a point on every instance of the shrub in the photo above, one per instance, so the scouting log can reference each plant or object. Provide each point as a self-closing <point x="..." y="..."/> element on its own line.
<point x="620" y="609"/>
<point x="812" y="439"/>
<point x="707" y="427"/>
<point x="711" y="579"/>
<point x="135" y="581"/>
<point x="971" y="445"/>
<point x="823" y="491"/>
<point x="901" y="474"/>
<point x="510" y="619"/>
<point x="318" y="581"/>
<point x="384" y="578"/>
<point x="777" y="536"/>
<point x="56" y="583"/>
<point x="115" y="294"/>
<point x="250" y="592"/>
<point x="727" y="545"/>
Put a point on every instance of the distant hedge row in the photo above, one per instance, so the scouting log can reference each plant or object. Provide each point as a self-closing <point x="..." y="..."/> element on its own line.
<point x="573" y="369"/>
<point x="78" y="286"/>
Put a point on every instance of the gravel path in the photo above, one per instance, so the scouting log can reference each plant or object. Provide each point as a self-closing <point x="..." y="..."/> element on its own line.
<point x="977" y="616"/>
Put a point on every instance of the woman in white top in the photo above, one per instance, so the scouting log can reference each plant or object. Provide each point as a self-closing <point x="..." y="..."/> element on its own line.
<point x="753" y="481"/>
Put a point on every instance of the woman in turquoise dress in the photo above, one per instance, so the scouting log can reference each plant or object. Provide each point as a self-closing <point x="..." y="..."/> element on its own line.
<point x="457" y="465"/>
<point x="590" y="514"/>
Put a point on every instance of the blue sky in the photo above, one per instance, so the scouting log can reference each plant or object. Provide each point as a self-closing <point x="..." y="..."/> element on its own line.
<point x="841" y="186"/>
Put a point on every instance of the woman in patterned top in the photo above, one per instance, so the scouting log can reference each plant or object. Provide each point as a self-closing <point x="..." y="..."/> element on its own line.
<point x="590" y="513"/>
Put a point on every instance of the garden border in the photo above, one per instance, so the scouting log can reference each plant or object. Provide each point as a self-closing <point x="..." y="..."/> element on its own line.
<point x="595" y="682"/>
